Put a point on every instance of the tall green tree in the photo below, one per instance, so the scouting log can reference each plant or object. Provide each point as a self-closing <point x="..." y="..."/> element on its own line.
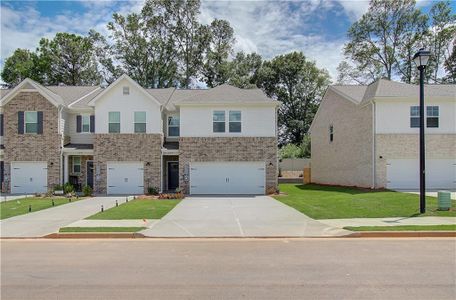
<point x="299" y="84"/>
<point x="216" y="68"/>
<point x="20" y="65"/>
<point x="450" y="66"/>
<point x="71" y="58"/>
<point x="244" y="70"/>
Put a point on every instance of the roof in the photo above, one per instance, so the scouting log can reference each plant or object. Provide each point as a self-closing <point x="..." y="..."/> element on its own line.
<point x="79" y="146"/>
<point x="384" y="88"/>
<point x="82" y="97"/>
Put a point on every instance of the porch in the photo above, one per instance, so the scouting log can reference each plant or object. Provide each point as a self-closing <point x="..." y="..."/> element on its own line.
<point x="78" y="166"/>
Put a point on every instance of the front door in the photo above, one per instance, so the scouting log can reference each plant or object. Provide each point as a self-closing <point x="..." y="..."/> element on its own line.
<point x="90" y="173"/>
<point x="173" y="175"/>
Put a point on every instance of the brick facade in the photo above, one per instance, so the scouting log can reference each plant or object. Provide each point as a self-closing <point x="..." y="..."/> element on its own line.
<point x="199" y="149"/>
<point x="32" y="147"/>
<point x="142" y="147"/>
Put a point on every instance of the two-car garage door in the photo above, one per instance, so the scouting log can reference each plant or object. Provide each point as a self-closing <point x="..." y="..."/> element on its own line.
<point x="404" y="174"/>
<point x="227" y="178"/>
<point x="29" y="177"/>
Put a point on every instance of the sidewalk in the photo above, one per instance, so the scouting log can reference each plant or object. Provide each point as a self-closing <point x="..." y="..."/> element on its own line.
<point x="113" y="223"/>
<point x="341" y="223"/>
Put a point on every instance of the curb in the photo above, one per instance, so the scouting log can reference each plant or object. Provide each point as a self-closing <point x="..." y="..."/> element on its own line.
<point x="95" y="235"/>
<point x="401" y="234"/>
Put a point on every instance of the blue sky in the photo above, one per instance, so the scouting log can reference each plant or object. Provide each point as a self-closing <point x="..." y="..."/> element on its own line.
<point x="316" y="27"/>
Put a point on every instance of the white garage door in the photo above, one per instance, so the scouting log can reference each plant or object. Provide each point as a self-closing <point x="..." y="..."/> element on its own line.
<point x="28" y="177"/>
<point x="404" y="174"/>
<point x="227" y="178"/>
<point x="125" y="178"/>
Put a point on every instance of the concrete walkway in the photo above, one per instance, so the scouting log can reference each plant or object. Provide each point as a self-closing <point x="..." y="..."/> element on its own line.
<point x="259" y="216"/>
<point x="432" y="194"/>
<point x="341" y="223"/>
<point x="47" y="221"/>
<point x="113" y="223"/>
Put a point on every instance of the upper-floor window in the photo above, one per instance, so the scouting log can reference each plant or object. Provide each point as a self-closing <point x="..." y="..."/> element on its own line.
<point x="31" y="122"/>
<point x="218" y="121"/>
<point x="76" y="164"/>
<point x="140" y="121"/>
<point x="432" y="116"/>
<point x="173" y="126"/>
<point x="235" y="121"/>
<point x="85" y="123"/>
<point x="414" y="116"/>
<point x="331" y="133"/>
<point x="114" y="122"/>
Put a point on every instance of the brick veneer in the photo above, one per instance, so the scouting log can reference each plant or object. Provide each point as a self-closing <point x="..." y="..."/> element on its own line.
<point x="198" y="149"/>
<point x="127" y="147"/>
<point x="32" y="147"/>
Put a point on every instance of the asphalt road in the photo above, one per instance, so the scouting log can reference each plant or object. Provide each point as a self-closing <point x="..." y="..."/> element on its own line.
<point x="229" y="269"/>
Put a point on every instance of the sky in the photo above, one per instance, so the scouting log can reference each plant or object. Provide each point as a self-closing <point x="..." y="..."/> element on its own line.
<point x="315" y="27"/>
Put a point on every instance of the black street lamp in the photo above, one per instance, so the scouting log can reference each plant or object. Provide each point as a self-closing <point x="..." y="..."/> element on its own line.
<point x="421" y="59"/>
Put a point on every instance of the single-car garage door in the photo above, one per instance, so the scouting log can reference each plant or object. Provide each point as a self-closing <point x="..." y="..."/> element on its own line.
<point x="227" y="178"/>
<point x="28" y="177"/>
<point x="125" y="178"/>
<point x="404" y="174"/>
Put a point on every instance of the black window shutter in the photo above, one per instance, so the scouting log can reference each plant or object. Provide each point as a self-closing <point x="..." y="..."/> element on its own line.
<point x="40" y="122"/>
<point x="1" y="124"/>
<point x="92" y="123"/>
<point x="20" y="122"/>
<point x="78" y="123"/>
<point x="2" y="169"/>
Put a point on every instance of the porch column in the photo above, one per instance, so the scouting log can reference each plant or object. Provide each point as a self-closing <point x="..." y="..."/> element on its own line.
<point x="65" y="168"/>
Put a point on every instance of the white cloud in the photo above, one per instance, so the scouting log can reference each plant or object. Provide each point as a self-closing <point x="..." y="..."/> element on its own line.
<point x="354" y="8"/>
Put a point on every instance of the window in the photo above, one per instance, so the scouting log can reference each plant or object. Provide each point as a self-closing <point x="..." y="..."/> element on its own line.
<point x="414" y="116"/>
<point x="31" y="122"/>
<point x="235" y="121"/>
<point x="173" y="126"/>
<point x="218" y="119"/>
<point x="331" y="133"/>
<point x="140" y="121"/>
<point x="76" y="164"/>
<point x="114" y="122"/>
<point x="432" y="116"/>
<point x="85" y="123"/>
<point x="126" y="90"/>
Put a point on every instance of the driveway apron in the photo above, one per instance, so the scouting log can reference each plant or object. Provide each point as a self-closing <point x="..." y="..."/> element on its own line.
<point x="249" y="216"/>
<point x="47" y="221"/>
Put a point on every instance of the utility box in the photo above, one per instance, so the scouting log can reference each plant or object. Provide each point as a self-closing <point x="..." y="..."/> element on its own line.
<point x="444" y="200"/>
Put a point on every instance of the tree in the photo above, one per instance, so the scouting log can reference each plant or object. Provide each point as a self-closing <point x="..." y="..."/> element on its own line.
<point x="71" y="59"/>
<point x="299" y="84"/>
<point x="441" y="35"/>
<point x="216" y="66"/>
<point x="450" y="66"/>
<point x="243" y="70"/>
<point x="22" y="64"/>
<point x="375" y="40"/>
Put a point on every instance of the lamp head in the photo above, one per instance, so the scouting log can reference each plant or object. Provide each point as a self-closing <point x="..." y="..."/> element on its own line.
<point x="421" y="58"/>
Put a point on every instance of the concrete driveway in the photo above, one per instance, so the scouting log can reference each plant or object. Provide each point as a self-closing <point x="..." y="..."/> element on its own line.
<point x="255" y="216"/>
<point x="47" y="221"/>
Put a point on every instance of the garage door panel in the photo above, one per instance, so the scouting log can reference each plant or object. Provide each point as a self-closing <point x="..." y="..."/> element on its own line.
<point x="125" y="178"/>
<point x="404" y="174"/>
<point x="28" y="177"/>
<point x="227" y="178"/>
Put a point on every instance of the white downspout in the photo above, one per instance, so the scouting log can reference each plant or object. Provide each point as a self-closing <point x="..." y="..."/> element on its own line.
<point x="373" y="146"/>
<point x="62" y="138"/>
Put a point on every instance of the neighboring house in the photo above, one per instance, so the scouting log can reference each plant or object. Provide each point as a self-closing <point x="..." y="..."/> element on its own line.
<point x="368" y="136"/>
<point x="124" y="139"/>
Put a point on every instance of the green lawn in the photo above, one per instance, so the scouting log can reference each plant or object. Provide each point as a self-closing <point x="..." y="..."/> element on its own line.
<point x="137" y="209"/>
<point x="101" y="229"/>
<point x="404" y="228"/>
<point x="17" y="207"/>
<point x="327" y="202"/>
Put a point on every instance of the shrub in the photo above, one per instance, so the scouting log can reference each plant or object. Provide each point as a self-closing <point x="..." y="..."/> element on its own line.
<point x="152" y="190"/>
<point x="178" y="195"/>
<point x="58" y="187"/>
<point x="68" y="188"/>
<point x="87" y="190"/>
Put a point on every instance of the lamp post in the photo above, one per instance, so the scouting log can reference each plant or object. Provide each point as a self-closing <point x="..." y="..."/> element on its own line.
<point x="421" y="59"/>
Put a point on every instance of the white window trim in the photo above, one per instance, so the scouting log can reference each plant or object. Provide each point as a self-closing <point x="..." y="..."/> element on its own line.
<point x="212" y="118"/>
<point x="438" y="116"/>
<point x="82" y="123"/>
<point x="134" y="121"/>
<point x="25" y="121"/>
<point x="109" y="122"/>
<point x="73" y="164"/>
<point x="168" y="126"/>
<point x="234" y="121"/>
<point x="425" y="116"/>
